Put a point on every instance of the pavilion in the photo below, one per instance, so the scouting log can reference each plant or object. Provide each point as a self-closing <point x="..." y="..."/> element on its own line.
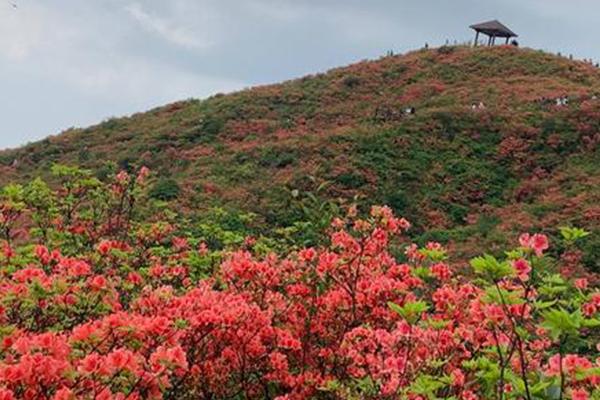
<point x="493" y="29"/>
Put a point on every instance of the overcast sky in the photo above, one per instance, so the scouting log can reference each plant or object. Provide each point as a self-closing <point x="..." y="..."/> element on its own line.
<point x="70" y="63"/>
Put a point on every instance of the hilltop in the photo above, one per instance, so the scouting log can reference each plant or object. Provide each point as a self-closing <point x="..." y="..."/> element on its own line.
<point x="487" y="153"/>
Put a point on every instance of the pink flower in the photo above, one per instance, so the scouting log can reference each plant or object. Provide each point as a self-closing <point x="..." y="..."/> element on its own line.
<point x="538" y="242"/>
<point x="581" y="283"/>
<point x="122" y="177"/>
<point x="589" y="309"/>
<point x="524" y="240"/>
<point x="90" y="364"/>
<point x="180" y="243"/>
<point x="104" y="247"/>
<point x="202" y="249"/>
<point x="143" y="174"/>
<point x="522" y="268"/>
<point x="134" y="278"/>
<point x="458" y="378"/>
<point x="121" y="359"/>
<point x="98" y="282"/>
<point x="164" y="358"/>
<point x="579" y="394"/>
<point x="8" y="251"/>
<point x="6" y="394"/>
<point x="42" y="254"/>
<point x="469" y="395"/>
<point x="307" y="254"/>
<point x="63" y="394"/>
<point x="441" y="271"/>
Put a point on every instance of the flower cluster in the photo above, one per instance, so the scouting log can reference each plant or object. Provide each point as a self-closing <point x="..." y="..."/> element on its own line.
<point x="106" y="313"/>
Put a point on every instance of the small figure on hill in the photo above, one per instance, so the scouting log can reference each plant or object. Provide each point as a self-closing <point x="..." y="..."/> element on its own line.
<point x="514" y="43"/>
<point x="562" y="101"/>
<point x="409" y="110"/>
<point x="426" y="45"/>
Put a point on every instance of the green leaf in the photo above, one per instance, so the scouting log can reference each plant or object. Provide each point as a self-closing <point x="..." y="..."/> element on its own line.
<point x="411" y="311"/>
<point x="553" y="285"/>
<point x="542" y="305"/>
<point x="590" y="323"/>
<point x="421" y="272"/>
<point x="499" y="296"/>
<point x="438" y="324"/>
<point x="435" y="255"/>
<point x="426" y="385"/>
<point x="572" y="234"/>
<point x="560" y="322"/>
<point x="490" y="268"/>
<point x="540" y="387"/>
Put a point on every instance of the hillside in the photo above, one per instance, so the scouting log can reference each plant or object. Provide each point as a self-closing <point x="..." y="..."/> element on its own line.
<point x="516" y="161"/>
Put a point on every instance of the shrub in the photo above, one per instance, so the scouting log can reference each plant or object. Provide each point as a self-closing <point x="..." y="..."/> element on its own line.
<point x="351" y="180"/>
<point x="165" y="189"/>
<point x="113" y="304"/>
<point x="351" y="81"/>
<point x="446" y="49"/>
<point x="205" y="131"/>
<point x="277" y="157"/>
<point x="591" y="252"/>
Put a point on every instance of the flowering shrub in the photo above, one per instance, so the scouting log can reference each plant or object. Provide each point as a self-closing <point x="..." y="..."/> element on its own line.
<point x="99" y="301"/>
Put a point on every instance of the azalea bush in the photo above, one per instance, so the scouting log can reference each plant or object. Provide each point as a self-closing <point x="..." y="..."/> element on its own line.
<point x="104" y="297"/>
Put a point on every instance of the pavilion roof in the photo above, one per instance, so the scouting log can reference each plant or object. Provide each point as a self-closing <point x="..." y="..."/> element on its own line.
<point x="494" y="28"/>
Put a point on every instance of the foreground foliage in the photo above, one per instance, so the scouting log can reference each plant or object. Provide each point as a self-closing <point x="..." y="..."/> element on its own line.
<point x="100" y="301"/>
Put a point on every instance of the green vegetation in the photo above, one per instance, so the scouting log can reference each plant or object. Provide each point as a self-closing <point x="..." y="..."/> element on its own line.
<point x="452" y="168"/>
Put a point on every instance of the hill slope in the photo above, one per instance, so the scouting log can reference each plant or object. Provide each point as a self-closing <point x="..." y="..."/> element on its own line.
<point x="515" y="160"/>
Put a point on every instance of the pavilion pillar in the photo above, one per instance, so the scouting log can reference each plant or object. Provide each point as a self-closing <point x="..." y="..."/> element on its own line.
<point x="476" y="38"/>
<point x="489" y="40"/>
<point x="493" y="40"/>
<point x="507" y="39"/>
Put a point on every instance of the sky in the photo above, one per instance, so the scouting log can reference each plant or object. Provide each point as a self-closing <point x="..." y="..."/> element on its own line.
<point x="74" y="63"/>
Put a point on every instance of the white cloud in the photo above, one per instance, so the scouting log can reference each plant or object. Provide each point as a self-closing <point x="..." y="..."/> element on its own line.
<point x="20" y="31"/>
<point x="168" y="29"/>
<point x="279" y="10"/>
<point x="139" y="80"/>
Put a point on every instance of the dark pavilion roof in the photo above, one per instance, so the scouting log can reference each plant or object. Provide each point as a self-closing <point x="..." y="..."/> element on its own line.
<point x="494" y="28"/>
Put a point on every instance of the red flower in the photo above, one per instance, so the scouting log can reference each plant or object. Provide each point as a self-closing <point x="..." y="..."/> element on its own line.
<point x="121" y="359"/>
<point x="458" y="378"/>
<point x="581" y="284"/>
<point x="6" y="394"/>
<point x="579" y="394"/>
<point x="98" y="282"/>
<point x="91" y="364"/>
<point x="522" y="268"/>
<point x="64" y="394"/>
<point x="42" y="254"/>
<point x="589" y="309"/>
